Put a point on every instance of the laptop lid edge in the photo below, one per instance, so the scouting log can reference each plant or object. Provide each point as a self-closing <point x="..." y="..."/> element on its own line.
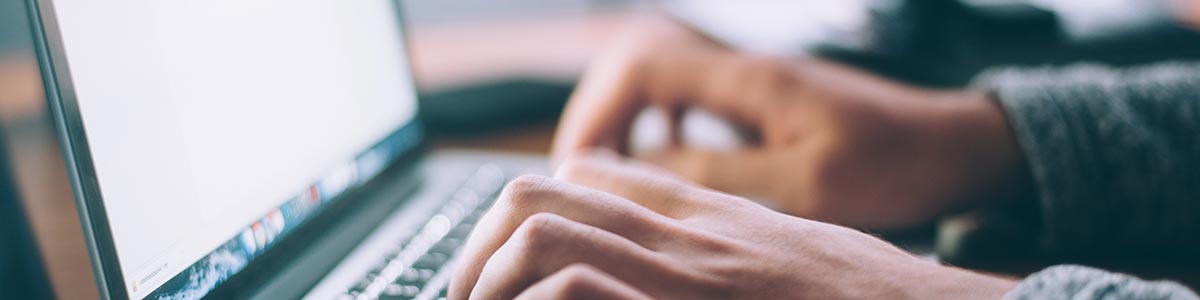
<point x="64" y="111"/>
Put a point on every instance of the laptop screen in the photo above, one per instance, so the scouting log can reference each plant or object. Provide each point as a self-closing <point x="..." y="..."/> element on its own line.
<point x="215" y="127"/>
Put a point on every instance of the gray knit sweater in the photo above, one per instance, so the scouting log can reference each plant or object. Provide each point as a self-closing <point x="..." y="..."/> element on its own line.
<point x="1115" y="156"/>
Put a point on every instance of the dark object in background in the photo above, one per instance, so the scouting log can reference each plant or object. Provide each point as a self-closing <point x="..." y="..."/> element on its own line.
<point x="945" y="43"/>
<point x="484" y="108"/>
<point x="21" y="273"/>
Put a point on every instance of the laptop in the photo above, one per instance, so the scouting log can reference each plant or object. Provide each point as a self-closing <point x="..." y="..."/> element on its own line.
<point x="262" y="149"/>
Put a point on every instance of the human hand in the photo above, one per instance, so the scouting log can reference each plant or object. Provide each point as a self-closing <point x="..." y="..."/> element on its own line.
<point x="1187" y="11"/>
<point x="612" y="229"/>
<point x="828" y="142"/>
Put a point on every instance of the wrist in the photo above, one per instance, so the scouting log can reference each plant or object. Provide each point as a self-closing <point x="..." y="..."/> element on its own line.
<point x="1187" y="11"/>
<point x="984" y="151"/>
<point x="955" y="283"/>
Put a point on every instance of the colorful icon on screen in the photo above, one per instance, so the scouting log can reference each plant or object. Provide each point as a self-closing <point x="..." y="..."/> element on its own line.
<point x="260" y="235"/>
<point x="248" y="241"/>
<point x="275" y="222"/>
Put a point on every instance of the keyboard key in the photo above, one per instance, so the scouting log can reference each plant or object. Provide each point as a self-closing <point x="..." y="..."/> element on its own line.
<point x="362" y="283"/>
<point x="462" y="230"/>
<point x="414" y="264"/>
<point x="431" y="261"/>
<point x="424" y="275"/>
<point x="447" y="245"/>
<point x="409" y="276"/>
<point x="400" y="291"/>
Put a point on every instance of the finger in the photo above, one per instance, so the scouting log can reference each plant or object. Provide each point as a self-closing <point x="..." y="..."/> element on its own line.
<point x="734" y="85"/>
<point x="529" y="195"/>
<point x="601" y="110"/>
<point x="581" y="282"/>
<point x="744" y="172"/>
<point x="672" y="176"/>
<point x="609" y="96"/>
<point x="546" y="243"/>
<point x="649" y="186"/>
<point x="610" y="89"/>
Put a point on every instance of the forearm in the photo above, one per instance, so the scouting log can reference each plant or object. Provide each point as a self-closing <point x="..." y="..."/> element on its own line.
<point x="992" y="169"/>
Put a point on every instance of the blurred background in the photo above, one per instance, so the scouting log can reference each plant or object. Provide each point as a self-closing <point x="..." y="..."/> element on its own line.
<point x="495" y="74"/>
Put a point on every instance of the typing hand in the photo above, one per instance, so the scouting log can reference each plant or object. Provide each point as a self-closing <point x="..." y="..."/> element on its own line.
<point x="610" y="229"/>
<point x="1187" y="11"/>
<point x="829" y="142"/>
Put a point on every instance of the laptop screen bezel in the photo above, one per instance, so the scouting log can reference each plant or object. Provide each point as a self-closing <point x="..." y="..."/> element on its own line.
<point x="64" y="108"/>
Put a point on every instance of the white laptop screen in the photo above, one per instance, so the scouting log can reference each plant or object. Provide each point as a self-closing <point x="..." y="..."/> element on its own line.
<point x="216" y="126"/>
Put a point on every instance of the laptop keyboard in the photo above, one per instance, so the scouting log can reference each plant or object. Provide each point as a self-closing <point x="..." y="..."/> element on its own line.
<point x="418" y="269"/>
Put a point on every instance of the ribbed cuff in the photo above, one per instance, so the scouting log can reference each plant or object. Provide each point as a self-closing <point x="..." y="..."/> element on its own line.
<point x="1050" y="111"/>
<point x="1083" y="283"/>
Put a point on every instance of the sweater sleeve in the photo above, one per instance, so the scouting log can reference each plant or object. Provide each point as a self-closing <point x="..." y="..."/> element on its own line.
<point x="1083" y="283"/>
<point x="1114" y="154"/>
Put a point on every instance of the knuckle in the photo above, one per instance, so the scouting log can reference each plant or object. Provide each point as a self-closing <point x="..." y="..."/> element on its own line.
<point x="766" y="72"/>
<point x="642" y="42"/>
<point x="526" y="182"/>
<point x="747" y="77"/>
<point x="526" y="190"/>
<point x="578" y="271"/>
<point x="633" y="63"/>
<point x="635" y="52"/>
<point x="575" y="281"/>
<point x="576" y="169"/>
<point x="570" y="169"/>
<point x="539" y="233"/>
